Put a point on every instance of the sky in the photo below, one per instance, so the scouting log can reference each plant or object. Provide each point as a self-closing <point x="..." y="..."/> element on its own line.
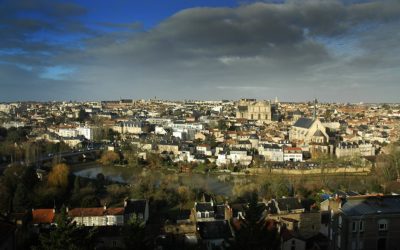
<point x="296" y="50"/>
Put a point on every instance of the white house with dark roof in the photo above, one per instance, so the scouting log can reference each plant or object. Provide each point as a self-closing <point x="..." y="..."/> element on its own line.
<point x="271" y="152"/>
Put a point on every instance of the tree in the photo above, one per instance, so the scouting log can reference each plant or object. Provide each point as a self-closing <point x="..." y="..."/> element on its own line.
<point x="77" y="185"/>
<point x="183" y="195"/>
<point x="109" y="157"/>
<point x="153" y="160"/>
<point x="67" y="235"/>
<point x="58" y="176"/>
<point x="253" y="234"/>
<point x="30" y="178"/>
<point x="5" y="197"/>
<point x="90" y="201"/>
<point x="134" y="234"/>
<point x="21" y="200"/>
<point x="100" y="182"/>
<point x="82" y="116"/>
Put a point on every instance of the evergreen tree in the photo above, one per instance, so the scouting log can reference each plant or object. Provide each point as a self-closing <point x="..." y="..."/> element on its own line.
<point x="21" y="200"/>
<point x="134" y="234"/>
<point x="253" y="234"/>
<point x="77" y="185"/>
<point x="67" y="235"/>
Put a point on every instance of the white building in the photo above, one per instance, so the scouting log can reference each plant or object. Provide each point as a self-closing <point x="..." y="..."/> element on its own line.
<point x="67" y="132"/>
<point x="292" y="154"/>
<point x="349" y="149"/>
<point x="271" y="152"/>
<point x="187" y="126"/>
<point x="97" y="216"/>
<point x="87" y="132"/>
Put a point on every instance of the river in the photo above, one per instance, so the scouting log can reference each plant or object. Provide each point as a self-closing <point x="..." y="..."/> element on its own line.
<point x="220" y="184"/>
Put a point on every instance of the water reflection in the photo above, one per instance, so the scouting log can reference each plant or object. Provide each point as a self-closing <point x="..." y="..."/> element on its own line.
<point x="218" y="184"/>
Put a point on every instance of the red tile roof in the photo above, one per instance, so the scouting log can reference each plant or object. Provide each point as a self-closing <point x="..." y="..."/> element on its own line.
<point x="95" y="211"/>
<point x="43" y="216"/>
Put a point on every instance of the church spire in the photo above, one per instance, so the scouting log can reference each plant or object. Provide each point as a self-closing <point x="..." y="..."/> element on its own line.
<point x="315" y="109"/>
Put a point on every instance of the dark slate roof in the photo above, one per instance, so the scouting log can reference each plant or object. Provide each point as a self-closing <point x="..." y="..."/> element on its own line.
<point x="184" y="214"/>
<point x="214" y="229"/>
<point x="318" y="133"/>
<point x="357" y="206"/>
<point x="289" y="203"/>
<point x="220" y="211"/>
<point x="253" y="136"/>
<point x="135" y="206"/>
<point x="204" y="206"/>
<point x="242" y="108"/>
<point x="304" y="123"/>
<point x="274" y="146"/>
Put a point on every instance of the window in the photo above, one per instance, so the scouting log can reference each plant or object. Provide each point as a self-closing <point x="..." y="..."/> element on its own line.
<point x="354" y="226"/>
<point x="340" y="221"/>
<point x="361" y="226"/>
<point x="382" y="225"/>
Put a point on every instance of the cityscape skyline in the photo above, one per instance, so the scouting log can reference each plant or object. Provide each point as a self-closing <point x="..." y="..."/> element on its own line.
<point x="337" y="51"/>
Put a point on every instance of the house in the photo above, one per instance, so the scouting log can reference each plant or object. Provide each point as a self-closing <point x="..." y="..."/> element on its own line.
<point x="98" y="216"/>
<point x="240" y="156"/>
<point x="285" y="205"/>
<point x="131" y="127"/>
<point x="271" y="152"/>
<point x="215" y="234"/>
<point x="222" y="159"/>
<point x="289" y="241"/>
<point x="209" y="211"/>
<point x="350" y="149"/>
<point x="290" y="214"/>
<point x="138" y="208"/>
<point x="168" y="147"/>
<point x="204" y="211"/>
<point x="204" y="149"/>
<point x="292" y="154"/>
<point x="367" y="222"/>
<point x="44" y="217"/>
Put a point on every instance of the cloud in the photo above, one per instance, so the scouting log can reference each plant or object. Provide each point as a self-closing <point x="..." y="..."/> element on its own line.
<point x="260" y="49"/>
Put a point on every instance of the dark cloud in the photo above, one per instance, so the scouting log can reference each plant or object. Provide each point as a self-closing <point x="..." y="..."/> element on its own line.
<point x="296" y="50"/>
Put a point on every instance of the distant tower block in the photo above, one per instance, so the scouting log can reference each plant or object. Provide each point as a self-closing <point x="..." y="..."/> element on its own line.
<point x="276" y="100"/>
